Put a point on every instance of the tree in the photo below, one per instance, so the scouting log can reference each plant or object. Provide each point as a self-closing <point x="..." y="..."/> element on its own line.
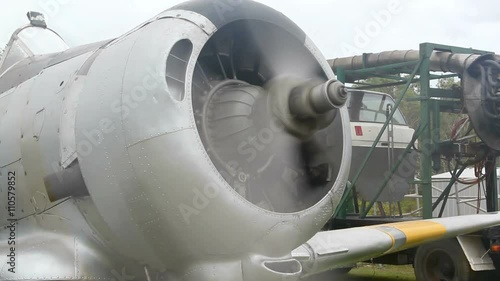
<point x="448" y="120"/>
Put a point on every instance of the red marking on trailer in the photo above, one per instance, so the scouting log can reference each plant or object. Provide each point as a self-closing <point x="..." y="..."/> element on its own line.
<point x="359" y="130"/>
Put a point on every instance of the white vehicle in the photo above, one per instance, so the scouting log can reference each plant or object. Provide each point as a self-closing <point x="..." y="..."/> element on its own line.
<point x="368" y="112"/>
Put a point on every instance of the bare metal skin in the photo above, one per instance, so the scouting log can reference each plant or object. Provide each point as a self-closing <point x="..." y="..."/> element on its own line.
<point x="136" y="159"/>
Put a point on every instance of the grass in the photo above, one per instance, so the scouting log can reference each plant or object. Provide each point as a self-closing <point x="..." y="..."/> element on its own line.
<point x="368" y="272"/>
<point x="381" y="273"/>
<point x="408" y="205"/>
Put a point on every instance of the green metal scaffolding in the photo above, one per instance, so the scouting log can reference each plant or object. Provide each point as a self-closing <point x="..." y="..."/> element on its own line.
<point x="428" y="133"/>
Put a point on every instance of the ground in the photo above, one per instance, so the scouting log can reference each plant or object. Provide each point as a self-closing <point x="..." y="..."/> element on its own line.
<point x="381" y="273"/>
<point x="368" y="272"/>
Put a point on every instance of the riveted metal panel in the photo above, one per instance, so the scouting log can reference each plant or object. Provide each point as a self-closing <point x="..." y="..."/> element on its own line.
<point x="68" y="120"/>
<point x="201" y="21"/>
<point x="148" y="109"/>
<point x="172" y="190"/>
<point x="10" y="124"/>
<point x="101" y="148"/>
<point x="101" y="230"/>
<point x="41" y="120"/>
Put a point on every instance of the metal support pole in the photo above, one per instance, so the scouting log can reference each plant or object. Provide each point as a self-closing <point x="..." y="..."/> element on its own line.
<point x="436" y="128"/>
<point x="491" y="184"/>
<point x="341" y="75"/>
<point x="426" y="136"/>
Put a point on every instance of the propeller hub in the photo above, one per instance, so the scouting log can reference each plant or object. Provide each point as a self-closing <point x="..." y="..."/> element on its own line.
<point x="305" y="106"/>
<point x="310" y="100"/>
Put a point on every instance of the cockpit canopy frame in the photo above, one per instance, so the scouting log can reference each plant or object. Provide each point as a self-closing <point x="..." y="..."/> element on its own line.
<point x="31" y="40"/>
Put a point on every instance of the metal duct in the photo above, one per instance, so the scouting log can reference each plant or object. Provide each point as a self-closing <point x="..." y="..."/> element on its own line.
<point x="480" y="81"/>
<point x="440" y="61"/>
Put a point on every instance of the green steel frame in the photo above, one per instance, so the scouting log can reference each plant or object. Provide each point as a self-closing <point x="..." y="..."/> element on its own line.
<point x="427" y="133"/>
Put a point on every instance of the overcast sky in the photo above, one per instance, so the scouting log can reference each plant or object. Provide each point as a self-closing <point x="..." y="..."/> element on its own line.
<point x="339" y="28"/>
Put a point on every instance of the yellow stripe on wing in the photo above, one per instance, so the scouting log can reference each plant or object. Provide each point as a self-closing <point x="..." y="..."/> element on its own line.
<point x="418" y="232"/>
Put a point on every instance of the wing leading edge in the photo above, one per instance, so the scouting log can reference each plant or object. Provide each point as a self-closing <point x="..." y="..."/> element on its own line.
<point x="337" y="248"/>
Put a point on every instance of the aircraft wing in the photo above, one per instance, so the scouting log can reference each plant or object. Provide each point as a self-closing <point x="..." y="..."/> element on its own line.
<point x="337" y="248"/>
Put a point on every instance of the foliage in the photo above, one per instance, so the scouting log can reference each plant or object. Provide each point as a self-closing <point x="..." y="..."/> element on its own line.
<point x="391" y="209"/>
<point x="448" y="120"/>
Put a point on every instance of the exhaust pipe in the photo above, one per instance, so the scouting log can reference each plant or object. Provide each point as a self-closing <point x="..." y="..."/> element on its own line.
<point x="480" y="82"/>
<point x="440" y="61"/>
